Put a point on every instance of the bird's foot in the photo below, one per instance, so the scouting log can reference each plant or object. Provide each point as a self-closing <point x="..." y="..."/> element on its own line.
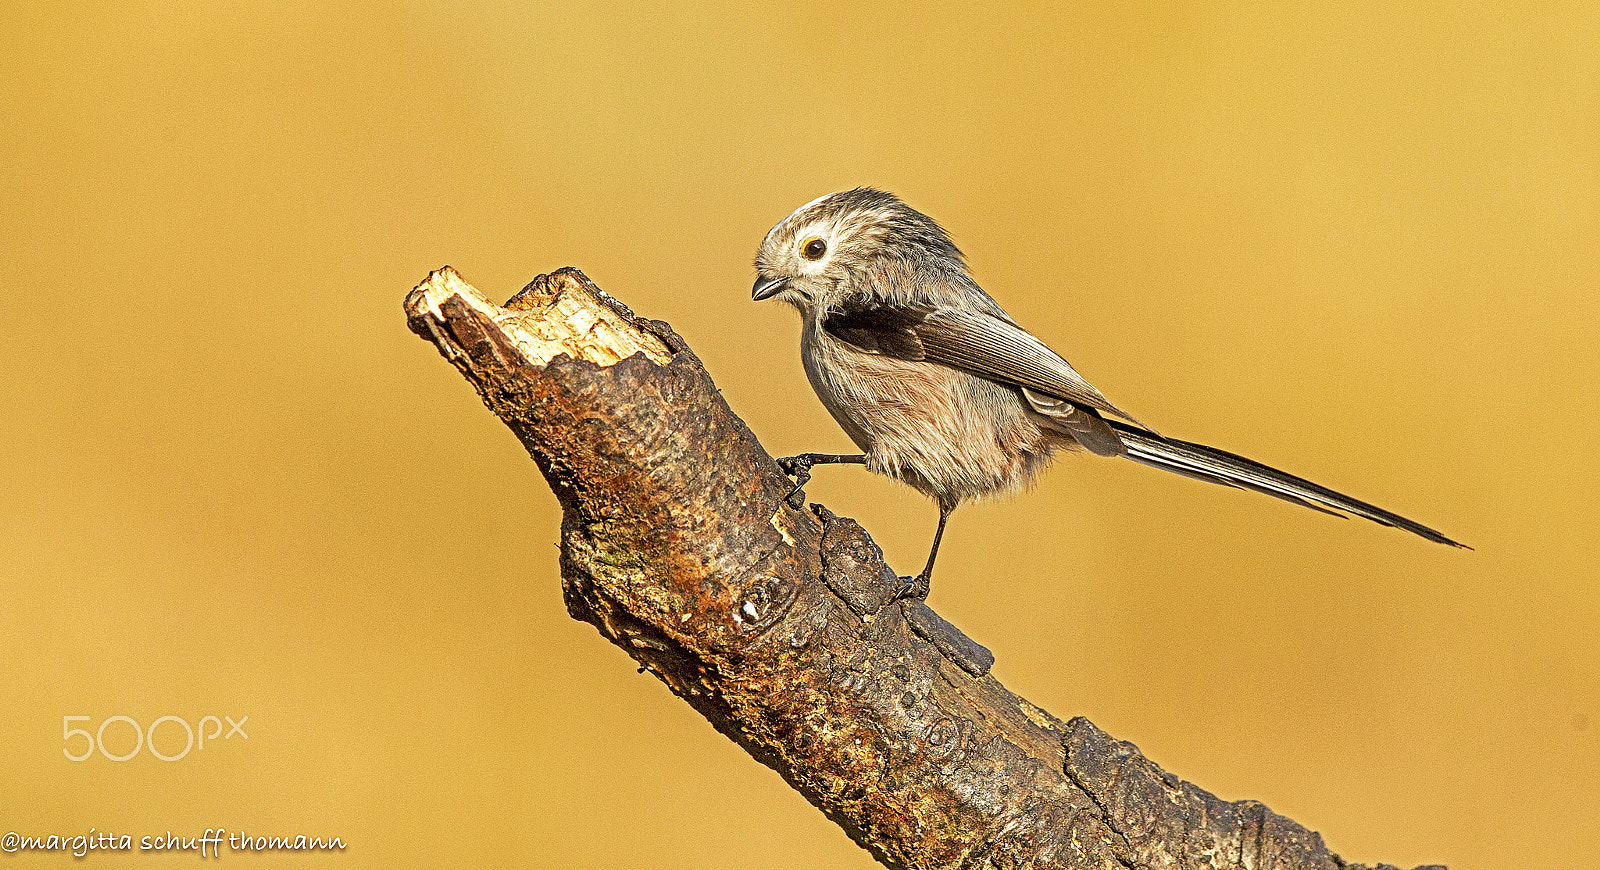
<point x="914" y="587"/>
<point x="799" y="468"/>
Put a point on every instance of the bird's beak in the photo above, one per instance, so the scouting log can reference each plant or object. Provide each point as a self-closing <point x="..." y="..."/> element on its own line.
<point x="766" y="288"/>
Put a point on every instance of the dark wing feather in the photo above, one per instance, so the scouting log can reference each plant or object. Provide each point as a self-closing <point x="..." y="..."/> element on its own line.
<point x="880" y="329"/>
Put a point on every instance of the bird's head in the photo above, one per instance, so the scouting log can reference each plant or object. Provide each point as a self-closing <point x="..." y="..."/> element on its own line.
<point x="856" y="241"/>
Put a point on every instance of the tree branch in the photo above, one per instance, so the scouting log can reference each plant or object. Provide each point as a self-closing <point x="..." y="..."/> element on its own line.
<point x="779" y="625"/>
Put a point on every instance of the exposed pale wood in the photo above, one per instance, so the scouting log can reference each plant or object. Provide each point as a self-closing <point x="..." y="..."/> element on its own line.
<point x="543" y="321"/>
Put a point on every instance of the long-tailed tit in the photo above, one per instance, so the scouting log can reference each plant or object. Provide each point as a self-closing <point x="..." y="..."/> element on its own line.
<point x="940" y="388"/>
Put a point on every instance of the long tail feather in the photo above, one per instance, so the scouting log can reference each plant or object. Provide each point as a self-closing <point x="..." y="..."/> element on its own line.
<point x="1219" y="466"/>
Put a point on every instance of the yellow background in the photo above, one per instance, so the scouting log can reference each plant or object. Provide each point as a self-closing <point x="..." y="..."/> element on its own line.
<point x="1360" y="241"/>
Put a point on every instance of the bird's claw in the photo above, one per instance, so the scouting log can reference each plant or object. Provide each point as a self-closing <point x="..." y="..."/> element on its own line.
<point x="799" y="468"/>
<point x="913" y="587"/>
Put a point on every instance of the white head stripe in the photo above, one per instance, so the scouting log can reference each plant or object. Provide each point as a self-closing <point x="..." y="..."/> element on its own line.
<point x="793" y="213"/>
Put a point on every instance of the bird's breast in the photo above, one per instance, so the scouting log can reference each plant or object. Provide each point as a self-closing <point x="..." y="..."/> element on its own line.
<point x="950" y="434"/>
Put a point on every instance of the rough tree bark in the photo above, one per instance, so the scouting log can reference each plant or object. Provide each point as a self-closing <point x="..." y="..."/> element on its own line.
<point x="778" y="624"/>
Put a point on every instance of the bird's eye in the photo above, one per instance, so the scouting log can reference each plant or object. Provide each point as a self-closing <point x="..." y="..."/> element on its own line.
<point x="813" y="249"/>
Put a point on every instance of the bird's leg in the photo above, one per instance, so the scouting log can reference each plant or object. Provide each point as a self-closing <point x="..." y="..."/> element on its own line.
<point x="799" y="468"/>
<point x="917" y="587"/>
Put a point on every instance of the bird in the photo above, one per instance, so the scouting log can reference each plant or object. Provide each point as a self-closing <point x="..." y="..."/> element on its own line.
<point x="941" y="389"/>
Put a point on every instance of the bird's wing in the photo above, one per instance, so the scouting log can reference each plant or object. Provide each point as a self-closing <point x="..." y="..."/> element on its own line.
<point x="976" y="342"/>
<point x="990" y="347"/>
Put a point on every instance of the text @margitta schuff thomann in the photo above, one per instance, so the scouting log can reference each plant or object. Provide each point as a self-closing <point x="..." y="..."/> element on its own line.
<point x="209" y="844"/>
